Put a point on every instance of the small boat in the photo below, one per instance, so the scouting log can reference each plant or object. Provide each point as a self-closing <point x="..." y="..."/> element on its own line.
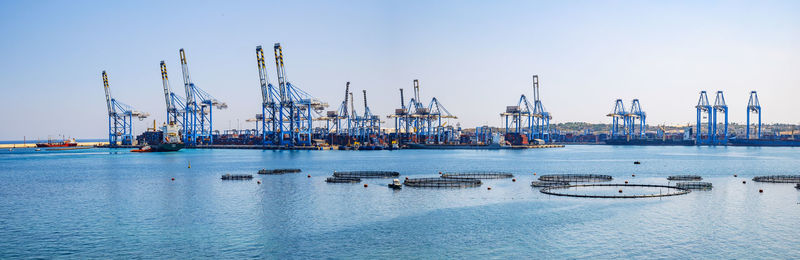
<point x="396" y="184"/>
<point x="797" y="186"/>
<point x="637" y="162"/>
<point x="37" y="149"/>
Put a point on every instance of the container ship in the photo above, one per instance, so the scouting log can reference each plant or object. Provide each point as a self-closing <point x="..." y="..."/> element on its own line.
<point x="763" y="142"/>
<point x="165" y="139"/>
<point x="662" y="142"/>
<point x="65" y="143"/>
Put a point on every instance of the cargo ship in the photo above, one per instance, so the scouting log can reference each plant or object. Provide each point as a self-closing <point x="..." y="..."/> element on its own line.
<point x="163" y="147"/>
<point x="166" y="139"/>
<point x="657" y="142"/>
<point x="492" y="146"/>
<point x="65" y="143"/>
<point x="763" y="142"/>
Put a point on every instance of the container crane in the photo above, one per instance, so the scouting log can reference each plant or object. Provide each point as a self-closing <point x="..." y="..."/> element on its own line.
<point x="295" y="120"/>
<point x="541" y="115"/>
<point x="520" y="128"/>
<point x="198" y="120"/>
<point x="617" y="115"/>
<point x="634" y="114"/>
<point x="753" y="106"/>
<point x="269" y="104"/>
<point x="720" y="106"/>
<point x="704" y="110"/>
<point x="120" y="118"/>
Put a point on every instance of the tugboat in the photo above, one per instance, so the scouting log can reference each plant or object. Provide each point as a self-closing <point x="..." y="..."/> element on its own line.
<point x="396" y="184"/>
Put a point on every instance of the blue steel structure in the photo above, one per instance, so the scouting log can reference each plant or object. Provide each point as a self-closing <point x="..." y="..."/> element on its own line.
<point x="120" y="118"/>
<point x="541" y="124"/>
<point x="198" y="120"/>
<point x="704" y="110"/>
<point x="423" y="124"/>
<point x="721" y="107"/>
<point x="521" y="118"/>
<point x="368" y="125"/>
<point x="402" y="120"/>
<point x="634" y="114"/>
<point x="175" y="104"/>
<point x="269" y="104"/>
<point x="753" y="106"/>
<point x="287" y="111"/>
<point x="617" y="115"/>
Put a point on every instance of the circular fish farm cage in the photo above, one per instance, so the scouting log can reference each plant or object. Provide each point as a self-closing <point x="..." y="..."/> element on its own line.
<point x="615" y="191"/>
<point x="366" y="174"/>
<point x="694" y="185"/>
<point x="685" y="178"/>
<point x="576" y="177"/>
<point x="778" y="178"/>
<point x="477" y="175"/>
<point x="442" y="183"/>
<point x="278" y="171"/>
<point x="549" y="183"/>
<point x="342" y="180"/>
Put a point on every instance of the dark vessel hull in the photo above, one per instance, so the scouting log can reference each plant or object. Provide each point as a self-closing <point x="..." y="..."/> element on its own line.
<point x="456" y="146"/>
<point x="763" y="142"/>
<point x="649" y="142"/>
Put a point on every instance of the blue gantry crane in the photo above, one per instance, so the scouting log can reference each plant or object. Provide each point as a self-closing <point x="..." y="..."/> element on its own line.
<point x="618" y="116"/>
<point x="634" y="114"/>
<point x="519" y="121"/>
<point x="753" y="106"/>
<point x="287" y="111"/>
<point x="198" y="120"/>
<point x="721" y="107"/>
<point x="704" y="110"/>
<point x="120" y="118"/>
<point x="541" y="116"/>
<point x="270" y="105"/>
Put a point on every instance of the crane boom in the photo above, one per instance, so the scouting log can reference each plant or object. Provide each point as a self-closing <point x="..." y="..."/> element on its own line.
<point x="402" y="102"/>
<point x="108" y="93"/>
<point x="262" y="75"/>
<point x="280" y="70"/>
<point x="366" y="108"/>
<point x="186" y="79"/>
<point x="346" y="93"/>
<point x="167" y="90"/>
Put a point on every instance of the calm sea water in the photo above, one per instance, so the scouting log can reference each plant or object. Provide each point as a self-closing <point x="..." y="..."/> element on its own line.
<point x="105" y="203"/>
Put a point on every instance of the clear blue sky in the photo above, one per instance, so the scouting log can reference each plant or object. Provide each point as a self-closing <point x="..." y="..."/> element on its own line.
<point x="475" y="56"/>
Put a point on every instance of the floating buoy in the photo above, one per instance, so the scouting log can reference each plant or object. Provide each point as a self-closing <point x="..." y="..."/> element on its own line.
<point x="173" y="179"/>
<point x="744" y="182"/>
<point x="190" y="164"/>
<point x="626" y="182"/>
<point x="309" y="175"/>
<point x="513" y="180"/>
<point x="735" y="175"/>
<point x="259" y="182"/>
<point x="440" y="173"/>
<point x="365" y="185"/>
<point x="761" y="191"/>
<point x="489" y="188"/>
<point x="406" y="178"/>
<point x="620" y="191"/>
<point x="633" y="175"/>
<point x="534" y="173"/>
